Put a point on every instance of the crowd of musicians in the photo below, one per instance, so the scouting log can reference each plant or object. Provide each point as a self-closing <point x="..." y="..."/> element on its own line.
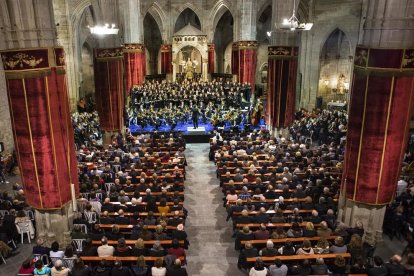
<point x="169" y="103"/>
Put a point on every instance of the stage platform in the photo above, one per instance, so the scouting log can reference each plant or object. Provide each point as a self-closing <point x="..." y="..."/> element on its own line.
<point x="196" y="135"/>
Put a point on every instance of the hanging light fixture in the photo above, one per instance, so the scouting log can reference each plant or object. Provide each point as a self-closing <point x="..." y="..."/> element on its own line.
<point x="104" y="30"/>
<point x="293" y="22"/>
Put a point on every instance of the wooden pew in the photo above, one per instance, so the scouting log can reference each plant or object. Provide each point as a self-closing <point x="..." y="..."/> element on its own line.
<point x="123" y="259"/>
<point x="300" y="257"/>
<point x="132" y="242"/>
<point x="144" y="214"/>
<point x="274" y="225"/>
<point x="130" y="226"/>
<point x="169" y="203"/>
<point x="272" y="212"/>
<point x="293" y="240"/>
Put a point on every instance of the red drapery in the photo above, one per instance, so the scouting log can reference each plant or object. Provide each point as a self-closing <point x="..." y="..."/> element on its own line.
<point x="247" y="62"/>
<point x="380" y="112"/>
<point x="134" y="60"/>
<point x="42" y="128"/>
<point x="109" y="88"/>
<point x="211" y="58"/>
<point x="282" y="71"/>
<point x="166" y="59"/>
<point x="235" y="58"/>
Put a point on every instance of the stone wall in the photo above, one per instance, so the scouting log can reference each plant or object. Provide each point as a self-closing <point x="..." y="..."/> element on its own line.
<point x="327" y="16"/>
<point x="6" y="132"/>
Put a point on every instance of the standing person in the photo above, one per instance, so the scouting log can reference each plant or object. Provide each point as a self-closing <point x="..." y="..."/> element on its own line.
<point x="194" y="116"/>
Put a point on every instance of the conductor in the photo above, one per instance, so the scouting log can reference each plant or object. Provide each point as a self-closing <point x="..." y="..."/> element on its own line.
<point x="194" y="116"/>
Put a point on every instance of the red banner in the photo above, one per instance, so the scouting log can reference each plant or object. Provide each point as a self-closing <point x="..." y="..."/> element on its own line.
<point x="247" y="62"/>
<point x="235" y="59"/>
<point x="211" y="58"/>
<point x="42" y="128"/>
<point x="379" y="117"/>
<point x="282" y="72"/>
<point x="109" y="88"/>
<point x="134" y="60"/>
<point x="166" y="59"/>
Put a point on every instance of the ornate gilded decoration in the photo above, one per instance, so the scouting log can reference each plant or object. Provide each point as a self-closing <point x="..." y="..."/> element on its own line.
<point x="282" y="52"/>
<point x="247" y="45"/>
<point x="408" y="60"/>
<point x="25" y="59"/>
<point x="134" y="48"/>
<point x="32" y="62"/>
<point x="109" y="53"/>
<point x="166" y="48"/>
<point x="384" y="62"/>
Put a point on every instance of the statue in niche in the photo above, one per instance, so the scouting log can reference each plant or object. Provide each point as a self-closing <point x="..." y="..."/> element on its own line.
<point x="341" y="84"/>
<point x="189" y="70"/>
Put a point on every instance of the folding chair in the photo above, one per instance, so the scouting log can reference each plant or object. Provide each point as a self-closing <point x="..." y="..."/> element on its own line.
<point x="83" y="227"/>
<point x="68" y="262"/>
<point x="78" y="244"/>
<point x="108" y="187"/>
<point x="90" y="216"/>
<point x="24" y="228"/>
<point x="96" y="205"/>
<point x="3" y="259"/>
<point x="3" y="213"/>
<point x="30" y="214"/>
<point x="116" y="168"/>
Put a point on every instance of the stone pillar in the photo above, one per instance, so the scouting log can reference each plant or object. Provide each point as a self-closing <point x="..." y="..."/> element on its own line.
<point x="66" y="39"/>
<point x="109" y="84"/>
<point x="166" y="59"/>
<point x="281" y="88"/>
<point x="235" y="59"/>
<point x="6" y="133"/>
<point x="379" y="114"/>
<point x="134" y="49"/>
<point x="247" y="62"/>
<point x="211" y="58"/>
<point x="134" y="63"/>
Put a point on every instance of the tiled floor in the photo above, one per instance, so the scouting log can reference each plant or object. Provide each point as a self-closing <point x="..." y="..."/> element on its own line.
<point x="211" y="249"/>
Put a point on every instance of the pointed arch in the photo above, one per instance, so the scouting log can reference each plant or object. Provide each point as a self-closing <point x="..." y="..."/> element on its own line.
<point x="182" y="15"/>
<point x="159" y="16"/>
<point x="263" y="7"/>
<point x="220" y="8"/>
<point x="190" y="6"/>
<point x="330" y="32"/>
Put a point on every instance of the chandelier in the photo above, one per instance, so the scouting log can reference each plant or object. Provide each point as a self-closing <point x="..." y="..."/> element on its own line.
<point x="293" y="22"/>
<point x="104" y="30"/>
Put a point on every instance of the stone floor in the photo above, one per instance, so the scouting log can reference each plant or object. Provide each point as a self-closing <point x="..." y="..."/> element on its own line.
<point x="211" y="249"/>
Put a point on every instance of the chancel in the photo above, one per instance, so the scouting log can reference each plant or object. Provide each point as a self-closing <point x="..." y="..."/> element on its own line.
<point x="206" y="137"/>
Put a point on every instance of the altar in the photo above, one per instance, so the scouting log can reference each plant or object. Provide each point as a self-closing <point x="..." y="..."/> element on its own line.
<point x="190" y="54"/>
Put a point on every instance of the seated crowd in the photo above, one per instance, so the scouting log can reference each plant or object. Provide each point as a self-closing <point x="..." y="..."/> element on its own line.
<point x="130" y="217"/>
<point x="281" y="196"/>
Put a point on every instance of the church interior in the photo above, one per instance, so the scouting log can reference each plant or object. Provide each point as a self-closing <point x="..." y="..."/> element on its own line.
<point x="206" y="137"/>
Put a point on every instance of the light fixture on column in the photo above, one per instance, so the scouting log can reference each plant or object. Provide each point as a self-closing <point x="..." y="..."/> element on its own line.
<point x="104" y="30"/>
<point x="293" y="22"/>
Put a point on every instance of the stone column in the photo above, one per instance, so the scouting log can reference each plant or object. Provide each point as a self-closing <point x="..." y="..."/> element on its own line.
<point x="379" y="114"/>
<point x="166" y="60"/>
<point x="66" y="39"/>
<point x="211" y="57"/>
<point x="247" y="57"/>
<point x="282" y="68"/>
<point x="134" y="49"/>
<point x="30" y="29"/>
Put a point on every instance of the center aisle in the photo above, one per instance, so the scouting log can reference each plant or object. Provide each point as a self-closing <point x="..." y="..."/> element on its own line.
<point x="211" y="250"/>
